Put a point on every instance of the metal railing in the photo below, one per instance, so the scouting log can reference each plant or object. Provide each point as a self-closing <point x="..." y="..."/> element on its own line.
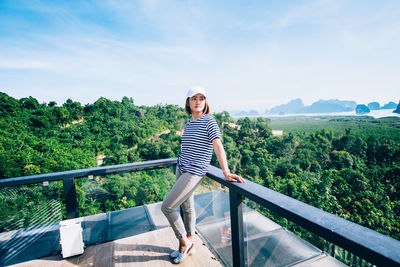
<point x="361" y="241"/>
<point x="68" y="178"/>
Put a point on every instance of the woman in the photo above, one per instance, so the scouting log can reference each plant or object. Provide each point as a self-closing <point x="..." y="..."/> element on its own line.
<point x="201" y="135"/>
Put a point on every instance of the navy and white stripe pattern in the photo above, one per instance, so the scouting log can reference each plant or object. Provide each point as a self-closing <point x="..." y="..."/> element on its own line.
<point x="196" y="145"/>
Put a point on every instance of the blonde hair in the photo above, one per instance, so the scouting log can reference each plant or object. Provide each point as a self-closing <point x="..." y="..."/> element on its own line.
<point x="206" y="109"/>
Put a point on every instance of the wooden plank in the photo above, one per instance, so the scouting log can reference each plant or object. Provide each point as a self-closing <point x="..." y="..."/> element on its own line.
<point x="144" y="250"/>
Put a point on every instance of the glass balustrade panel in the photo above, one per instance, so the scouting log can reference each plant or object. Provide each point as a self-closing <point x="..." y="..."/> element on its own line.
<point x="29" y="215"/>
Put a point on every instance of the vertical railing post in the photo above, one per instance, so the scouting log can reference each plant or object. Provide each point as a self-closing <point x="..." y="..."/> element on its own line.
<point x="71" y="203"/>
<point x="238" y="249"/>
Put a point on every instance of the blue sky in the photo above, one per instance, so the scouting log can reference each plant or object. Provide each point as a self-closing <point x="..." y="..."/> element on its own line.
<point x="247" y="54"/>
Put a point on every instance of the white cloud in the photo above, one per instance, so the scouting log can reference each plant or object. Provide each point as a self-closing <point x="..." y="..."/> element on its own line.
<point x="154" y="50"/>
<point x="23" y="64"/>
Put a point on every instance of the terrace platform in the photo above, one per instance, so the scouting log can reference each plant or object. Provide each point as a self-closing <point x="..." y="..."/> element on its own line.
<point x="146" y="249"/>
<point x="141" y="236"/>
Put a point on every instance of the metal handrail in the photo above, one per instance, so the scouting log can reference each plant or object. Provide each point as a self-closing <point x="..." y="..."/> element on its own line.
<point x="58" y="176"/>
<point x="68" y="178"/>
<point x="372" y="246"/>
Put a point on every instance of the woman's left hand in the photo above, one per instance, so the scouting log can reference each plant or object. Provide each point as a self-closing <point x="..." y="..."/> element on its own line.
<point x="230" y="177"/>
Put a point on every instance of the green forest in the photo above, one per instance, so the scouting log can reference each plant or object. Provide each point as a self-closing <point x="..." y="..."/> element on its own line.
<point x="348" y="166"/>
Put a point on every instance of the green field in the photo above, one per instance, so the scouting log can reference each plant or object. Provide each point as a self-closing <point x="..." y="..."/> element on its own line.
<point x="364" y="126"/>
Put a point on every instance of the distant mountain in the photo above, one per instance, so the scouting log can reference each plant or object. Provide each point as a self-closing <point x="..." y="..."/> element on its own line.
<point x="296" y="106"/>
<point x="327" y="106"/>
<point x="362" y="109"/>
<point x="374" y="106"/>
<point x="397" y="109"/>
<point x="390" y="105"/>
<point x="245" y="113"/>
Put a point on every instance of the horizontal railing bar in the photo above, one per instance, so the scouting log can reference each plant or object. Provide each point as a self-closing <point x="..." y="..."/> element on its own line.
<point x="57" y="176"/>
<point x="364" y="242"/>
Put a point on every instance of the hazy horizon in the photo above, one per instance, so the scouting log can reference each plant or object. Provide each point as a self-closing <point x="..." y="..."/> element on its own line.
<point x="261" y="112"/>
<point x="249" y="56"/>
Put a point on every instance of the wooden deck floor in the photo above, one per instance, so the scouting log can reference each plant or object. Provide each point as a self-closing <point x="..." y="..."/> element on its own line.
<point x="147" y="249"/>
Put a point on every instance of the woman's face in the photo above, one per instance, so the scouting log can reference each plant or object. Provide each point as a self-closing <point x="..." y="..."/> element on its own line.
<point x="197" y="103"/>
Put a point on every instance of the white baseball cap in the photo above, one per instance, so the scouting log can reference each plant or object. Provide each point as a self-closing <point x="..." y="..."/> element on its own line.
<point x="196" y="90"/>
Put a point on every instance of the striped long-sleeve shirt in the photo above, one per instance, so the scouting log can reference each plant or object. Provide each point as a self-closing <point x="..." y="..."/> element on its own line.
<point x="196" y="145"/>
